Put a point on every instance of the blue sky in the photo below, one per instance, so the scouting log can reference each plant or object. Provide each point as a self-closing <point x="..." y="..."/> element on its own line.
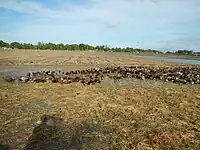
<point x="154" y="24"/>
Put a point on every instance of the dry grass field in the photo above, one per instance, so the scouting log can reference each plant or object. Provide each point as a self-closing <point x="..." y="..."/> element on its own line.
<point x="113" y="115"/>
<point x="69" y="58"/>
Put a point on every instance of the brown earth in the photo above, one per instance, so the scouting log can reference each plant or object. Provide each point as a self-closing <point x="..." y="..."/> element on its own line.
<point x="74" y="58"/>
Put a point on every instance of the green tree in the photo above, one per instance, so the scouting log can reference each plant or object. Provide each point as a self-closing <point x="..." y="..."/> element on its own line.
<point x="60" y="46"/>
<point x="27" y="46"/>
<point x="3" y="44"/>
<point x="82" y="47"/>
<point x="16" y="45"/>
<point x="184" y="52"/>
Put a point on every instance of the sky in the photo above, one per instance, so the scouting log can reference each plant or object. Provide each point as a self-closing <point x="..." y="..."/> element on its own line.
<point x="149" y="24"/>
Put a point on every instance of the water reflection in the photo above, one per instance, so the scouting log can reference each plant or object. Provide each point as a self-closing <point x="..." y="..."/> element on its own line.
<point x="178" y="60"/>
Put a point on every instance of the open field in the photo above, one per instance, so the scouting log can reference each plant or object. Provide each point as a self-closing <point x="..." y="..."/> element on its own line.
<point x="127" y="114"/>
<point x="68" y="58"/>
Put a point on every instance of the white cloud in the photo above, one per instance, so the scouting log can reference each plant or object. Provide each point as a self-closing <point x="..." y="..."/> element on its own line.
<point x="116" y="22"/>
<point x="189" y="43"/>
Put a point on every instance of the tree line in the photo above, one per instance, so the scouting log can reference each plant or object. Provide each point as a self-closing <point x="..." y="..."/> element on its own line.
<point x="84" y="47"/>
<point x="70" y="47"/>
<point x="185" y="52"/>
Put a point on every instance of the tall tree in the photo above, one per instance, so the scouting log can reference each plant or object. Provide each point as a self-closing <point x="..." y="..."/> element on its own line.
<point x="3" y="44"/>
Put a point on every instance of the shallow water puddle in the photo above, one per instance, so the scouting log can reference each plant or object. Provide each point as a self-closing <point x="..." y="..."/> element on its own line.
<point x="169" y="59"/>
<point x="21" y="71"/>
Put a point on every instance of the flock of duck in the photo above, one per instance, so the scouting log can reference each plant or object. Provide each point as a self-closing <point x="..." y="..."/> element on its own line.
<point x="182" y="74"/>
